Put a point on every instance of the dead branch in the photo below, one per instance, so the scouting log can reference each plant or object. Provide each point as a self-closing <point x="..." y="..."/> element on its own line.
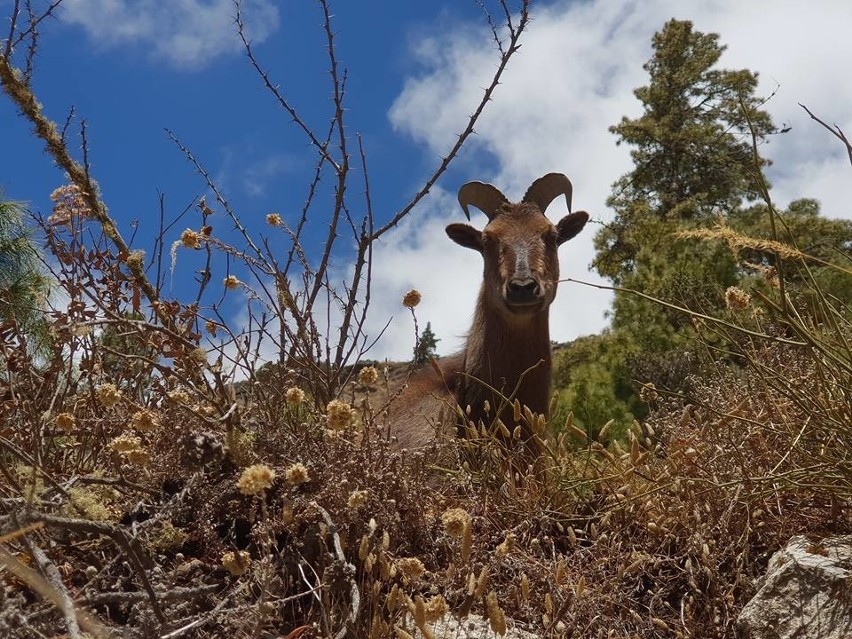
<point x="835" y="130"/>
<point x="354" y="593"/>
<point x="20" y="93"/>
<point x="37" y="583"/>
<point x="115" y="533"/>
<point x="172" y="594"/>
<point x="51" y="573"/>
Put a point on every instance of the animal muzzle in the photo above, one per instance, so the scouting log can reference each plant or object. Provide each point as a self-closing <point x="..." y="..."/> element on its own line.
<point x="523" y="291"/>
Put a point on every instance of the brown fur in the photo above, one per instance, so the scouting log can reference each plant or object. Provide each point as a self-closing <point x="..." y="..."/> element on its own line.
<point x="507" y="355"/>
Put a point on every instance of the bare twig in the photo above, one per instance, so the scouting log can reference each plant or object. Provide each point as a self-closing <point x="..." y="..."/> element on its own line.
<point x="34" y="23"/>
<point x="322" y="148"/>
<point x="65" y="603"/>
<point x="172" y="594"/>
<point x="113" y="532"/>
<point x="43" y="588"/>
<point x="513" y="46"/>
<point x="13" y="24"/>
<point x="355" y="595"/>
<point x="835" y="130"/>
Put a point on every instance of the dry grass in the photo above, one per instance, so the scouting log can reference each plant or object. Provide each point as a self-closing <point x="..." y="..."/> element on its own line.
<point x="145" y="493"/>
<point x="161" y="516"/>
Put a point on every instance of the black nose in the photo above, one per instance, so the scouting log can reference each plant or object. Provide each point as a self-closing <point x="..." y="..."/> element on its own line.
<point x="522" y="291"/>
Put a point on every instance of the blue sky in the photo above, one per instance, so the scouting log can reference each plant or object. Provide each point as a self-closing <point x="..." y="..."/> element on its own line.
<point x="132" y="68"/>
<point x="129" y="92"/>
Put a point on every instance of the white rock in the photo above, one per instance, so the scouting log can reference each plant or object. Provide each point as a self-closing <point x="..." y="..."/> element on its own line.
<point x="472" y="627"/>
<point x="806" y="593"/>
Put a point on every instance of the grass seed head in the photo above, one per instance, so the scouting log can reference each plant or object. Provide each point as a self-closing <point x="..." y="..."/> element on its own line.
<point x="496" y="616"/>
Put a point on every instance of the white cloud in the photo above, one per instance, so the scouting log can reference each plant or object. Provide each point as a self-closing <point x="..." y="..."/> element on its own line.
<point x="572" y="79"/>
<point x="186" y="33"/>
<point x="420" y="255"/>
<point x="257" y="176"/>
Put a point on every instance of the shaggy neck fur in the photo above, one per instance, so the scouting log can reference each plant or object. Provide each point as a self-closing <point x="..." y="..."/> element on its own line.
<point x="500" y="348"/>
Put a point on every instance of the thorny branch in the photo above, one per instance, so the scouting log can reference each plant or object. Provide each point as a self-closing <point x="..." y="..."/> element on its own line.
<point x="515" y="33"/>
<point x="303" y="341"/>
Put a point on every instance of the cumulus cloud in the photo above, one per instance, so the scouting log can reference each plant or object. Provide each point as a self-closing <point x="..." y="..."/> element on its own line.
<point x="185" y="33"/>
<point x="574" y="78"/>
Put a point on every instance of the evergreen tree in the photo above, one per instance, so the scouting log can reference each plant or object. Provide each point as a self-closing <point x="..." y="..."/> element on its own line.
<point x="693" y="165"/>
<point x="692" y="150"/>
<point x="425" y="348"/>
<point x="24" y="287"/>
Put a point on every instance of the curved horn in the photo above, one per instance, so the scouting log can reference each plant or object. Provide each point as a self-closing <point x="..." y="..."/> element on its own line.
<point x="545" y="189"/>
<point x="486" y="197"/>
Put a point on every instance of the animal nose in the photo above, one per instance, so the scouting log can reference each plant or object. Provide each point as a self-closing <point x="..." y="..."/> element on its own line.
<point x="522" y="290"/>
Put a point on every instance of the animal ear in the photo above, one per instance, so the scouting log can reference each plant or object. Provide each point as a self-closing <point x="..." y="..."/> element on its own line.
<point x="465" y="235"/>
<point x="570" y="225"/>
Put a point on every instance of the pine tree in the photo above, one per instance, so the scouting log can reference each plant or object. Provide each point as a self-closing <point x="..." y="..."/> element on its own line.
<point x="694" y="170"/>
<point x="692" y="150"/>
<point x="693" y="164"/>
<point x="425" y="348"/>
<point x="24" y="287"/>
